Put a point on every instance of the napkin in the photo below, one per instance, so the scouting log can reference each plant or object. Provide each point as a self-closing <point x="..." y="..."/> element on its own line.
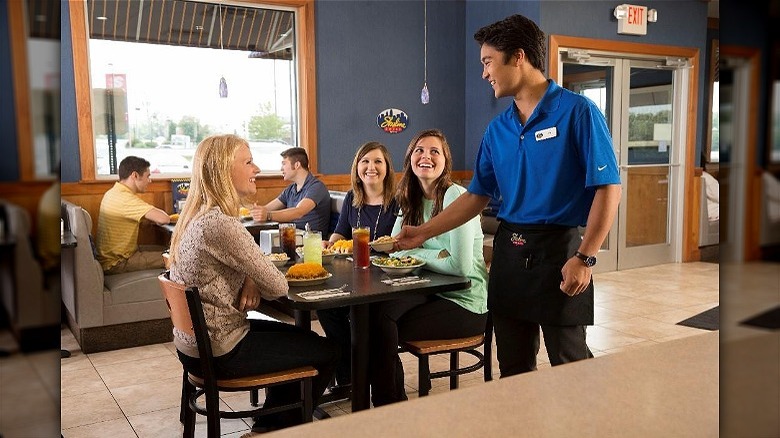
<point x="412" y="279"/>
<point x="323" y="294"/>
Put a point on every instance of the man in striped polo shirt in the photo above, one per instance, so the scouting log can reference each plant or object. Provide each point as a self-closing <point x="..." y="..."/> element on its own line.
<point x="121" y="212"/>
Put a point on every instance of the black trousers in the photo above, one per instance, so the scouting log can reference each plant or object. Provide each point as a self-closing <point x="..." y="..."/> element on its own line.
<point x="274" y="346"/>
<point x="517" y="344"/>
<point x="335" y="323"/>
<point x="411" y="319"/>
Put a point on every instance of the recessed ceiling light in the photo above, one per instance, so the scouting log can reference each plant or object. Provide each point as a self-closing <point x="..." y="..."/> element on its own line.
<point x="198" y="27"/>
<point x="102" y="18"/>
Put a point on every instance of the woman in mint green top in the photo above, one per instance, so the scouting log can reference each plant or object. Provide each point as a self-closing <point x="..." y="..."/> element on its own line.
<point x="424" y="190"/>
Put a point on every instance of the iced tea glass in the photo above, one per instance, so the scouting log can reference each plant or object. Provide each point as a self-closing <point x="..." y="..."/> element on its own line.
<point x="360" y="248"/>
<point x="287" y="239"/>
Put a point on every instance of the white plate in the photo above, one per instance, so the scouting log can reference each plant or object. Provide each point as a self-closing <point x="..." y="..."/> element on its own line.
<point x="309" y="281"/>
<point x="398" y="270"/>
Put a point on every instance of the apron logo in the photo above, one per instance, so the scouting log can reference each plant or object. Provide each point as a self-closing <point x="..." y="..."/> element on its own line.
<point x="517" y="239"/>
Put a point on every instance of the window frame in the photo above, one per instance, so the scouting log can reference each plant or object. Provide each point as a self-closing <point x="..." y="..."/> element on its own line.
<point x="306" y="80"/>
<point x="714" y="57"/>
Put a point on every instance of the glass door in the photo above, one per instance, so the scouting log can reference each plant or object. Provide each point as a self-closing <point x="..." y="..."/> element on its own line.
<point x="639" y="100"/>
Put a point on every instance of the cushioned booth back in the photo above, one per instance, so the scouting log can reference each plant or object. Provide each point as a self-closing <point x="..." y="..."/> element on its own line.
<point x="23" y="294"/>
<point x="82" y="291"/>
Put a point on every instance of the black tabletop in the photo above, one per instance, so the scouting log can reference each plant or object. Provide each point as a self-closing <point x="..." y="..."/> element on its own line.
<point x="366" y="286"/>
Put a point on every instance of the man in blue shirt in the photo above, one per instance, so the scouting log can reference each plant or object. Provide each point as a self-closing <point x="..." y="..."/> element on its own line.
<point x="549" y="158"/>
<point x="306" y="200"/>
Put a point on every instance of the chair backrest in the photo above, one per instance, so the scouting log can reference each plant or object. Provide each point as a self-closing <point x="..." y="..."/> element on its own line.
<point x="176" y="299"/>
<point x="187" y="315"/>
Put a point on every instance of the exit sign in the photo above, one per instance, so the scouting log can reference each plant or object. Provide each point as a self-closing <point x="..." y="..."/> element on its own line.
<point x="635" y="21"/>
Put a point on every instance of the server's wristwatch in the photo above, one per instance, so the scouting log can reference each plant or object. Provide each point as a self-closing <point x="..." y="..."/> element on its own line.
<point x="589" y="261"/>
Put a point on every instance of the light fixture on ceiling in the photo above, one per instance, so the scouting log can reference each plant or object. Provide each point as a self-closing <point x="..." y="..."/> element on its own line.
<point x="425" y="97"/>
<point x="223" y="88"/>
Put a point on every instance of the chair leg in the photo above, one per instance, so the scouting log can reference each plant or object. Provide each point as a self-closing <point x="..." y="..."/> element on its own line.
<point x="188" y="415"/>
<point x="424" y="376"/>
<point x="212" y="414"/>
<point x="308" y="402"/>
<point x="254" y="397"/>
<point x="184" y="397"/>
<point x="453" y="367"/>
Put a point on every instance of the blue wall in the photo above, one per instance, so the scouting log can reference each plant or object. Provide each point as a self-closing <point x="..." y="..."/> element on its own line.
<point x="370" y="57"/>
<point x="70" y="165"/>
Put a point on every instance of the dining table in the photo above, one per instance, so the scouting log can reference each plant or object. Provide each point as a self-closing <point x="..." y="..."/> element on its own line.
<point x="358" y="288"/>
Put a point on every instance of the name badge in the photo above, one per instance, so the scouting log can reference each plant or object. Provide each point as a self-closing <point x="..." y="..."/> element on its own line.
<point x="544" y="134"/>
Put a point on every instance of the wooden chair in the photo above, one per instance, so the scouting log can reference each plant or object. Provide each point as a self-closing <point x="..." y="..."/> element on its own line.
<point x="187" y="315"/>
<point x="423" y="349"/>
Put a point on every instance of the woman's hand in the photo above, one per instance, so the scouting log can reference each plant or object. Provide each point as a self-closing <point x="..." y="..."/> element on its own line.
<point x="249" y="298"/>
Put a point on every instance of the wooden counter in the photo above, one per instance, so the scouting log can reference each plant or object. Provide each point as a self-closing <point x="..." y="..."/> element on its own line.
<point x="670" y="389"/>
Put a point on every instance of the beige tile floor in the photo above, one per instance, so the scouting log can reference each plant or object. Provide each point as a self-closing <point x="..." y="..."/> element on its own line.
<point x="135" y="392"/>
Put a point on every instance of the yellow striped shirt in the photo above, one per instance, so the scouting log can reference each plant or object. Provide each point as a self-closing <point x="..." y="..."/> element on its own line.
<point x="121" y="211"/>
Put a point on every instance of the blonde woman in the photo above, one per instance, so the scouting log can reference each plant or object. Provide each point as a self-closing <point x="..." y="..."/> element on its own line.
<point x="212" y="250"/>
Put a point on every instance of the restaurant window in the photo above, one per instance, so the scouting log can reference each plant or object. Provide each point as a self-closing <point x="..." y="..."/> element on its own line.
<point x="165" y="75"/>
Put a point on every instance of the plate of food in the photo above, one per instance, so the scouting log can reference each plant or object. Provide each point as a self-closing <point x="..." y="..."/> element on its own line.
<point x="383" y="244"/>
<point x="306" y="274"/>
<point x="397" y="265"/>
<point x="342" y="248"/>
<point x="279" y="259"/>
<point x="174" y="217"/>
<point x="245" y="214"/>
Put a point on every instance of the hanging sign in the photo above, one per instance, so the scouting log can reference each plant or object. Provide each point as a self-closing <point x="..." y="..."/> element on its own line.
<point x="392" y="120"/>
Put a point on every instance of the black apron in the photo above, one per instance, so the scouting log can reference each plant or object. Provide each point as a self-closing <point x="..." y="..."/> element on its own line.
<point x="525" y="275"/>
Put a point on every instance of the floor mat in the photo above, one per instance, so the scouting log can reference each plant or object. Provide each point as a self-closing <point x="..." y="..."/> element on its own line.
<point x="708" y="320"/>
<point x="768" y="320"/>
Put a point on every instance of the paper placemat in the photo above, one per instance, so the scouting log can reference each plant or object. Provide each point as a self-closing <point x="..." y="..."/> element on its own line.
<point x="322" y="294"/>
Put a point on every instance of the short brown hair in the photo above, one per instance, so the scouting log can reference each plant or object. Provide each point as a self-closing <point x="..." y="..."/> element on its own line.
<point x="297" y="155"/>
<point x="132" y="164"/>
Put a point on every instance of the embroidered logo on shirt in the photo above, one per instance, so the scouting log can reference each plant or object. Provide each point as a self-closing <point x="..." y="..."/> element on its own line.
<point x="517" y="239"/>
<point x="602" y="167"/>
<point x="544" y="134"/>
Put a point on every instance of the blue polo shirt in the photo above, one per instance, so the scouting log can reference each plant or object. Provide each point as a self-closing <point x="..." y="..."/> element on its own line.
<point x="546" y="171"/>
<point x="319" y="217"/>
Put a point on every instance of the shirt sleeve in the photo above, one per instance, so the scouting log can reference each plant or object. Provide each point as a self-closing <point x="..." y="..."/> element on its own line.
<point x="484" y="181"/>
<point x="135" y="207"/>
<point x="317" y="192"/>
<point x="596" y="148"/>
<point x="234" y="246"/>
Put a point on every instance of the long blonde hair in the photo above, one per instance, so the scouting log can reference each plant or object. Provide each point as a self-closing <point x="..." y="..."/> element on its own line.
<point x="388" y="185"/>
<point x="211" y="184"/>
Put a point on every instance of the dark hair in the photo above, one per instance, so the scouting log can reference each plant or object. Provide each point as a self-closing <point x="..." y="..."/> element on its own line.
<point x="297" y="155"/>
<point x="132" y="164"/>
<point x="512" y="34"/>
<point x="388" y="185"/>
<point x="410" y="193"/>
